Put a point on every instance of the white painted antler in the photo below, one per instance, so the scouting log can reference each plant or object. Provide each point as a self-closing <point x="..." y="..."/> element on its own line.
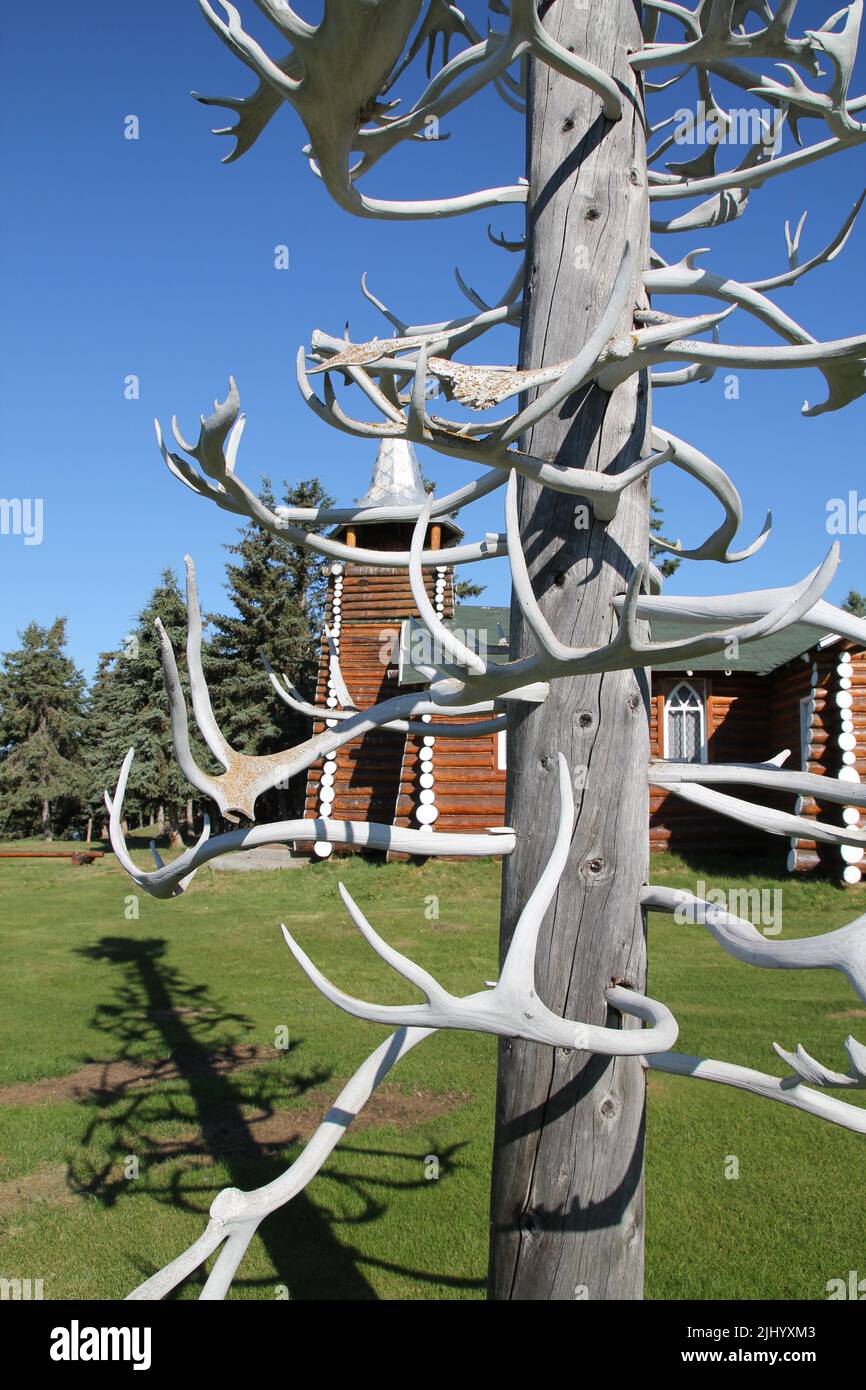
<point x="512" y="1008"/>
<point x="291" y="696"/>
<point x="247" y="776"/>
<point x="713" y="42"/>
<point x="767" y="818"/>
<point x="235" y="1216"/>
<point x="216" y="450"/>
<point x="758" y="1083"/>
<point x="771" y="776"/>
<point x="805" y="1066"/>
<point x="843" y="949"/>
<point x="469" y="675"/>
<point x="168" y="880"/>
<point x="342" y="68"/>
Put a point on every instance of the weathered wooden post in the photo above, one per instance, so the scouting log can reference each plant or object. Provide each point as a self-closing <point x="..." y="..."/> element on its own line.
<point x="567" y="1191"/>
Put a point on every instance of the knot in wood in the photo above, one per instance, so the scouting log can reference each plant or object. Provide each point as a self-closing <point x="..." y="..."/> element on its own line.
<point x="530" y="1224"/>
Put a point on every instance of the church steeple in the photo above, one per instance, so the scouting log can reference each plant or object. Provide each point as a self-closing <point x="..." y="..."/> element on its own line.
<point x="384" y="776"/>
<point x="396" y="479"/>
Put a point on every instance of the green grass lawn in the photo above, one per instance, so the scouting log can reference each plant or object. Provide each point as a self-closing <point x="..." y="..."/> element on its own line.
<point x="100" y="986"/>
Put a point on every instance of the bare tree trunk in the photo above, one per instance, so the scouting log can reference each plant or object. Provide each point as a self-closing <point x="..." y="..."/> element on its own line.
<point x="160" y="821"/>
<point x="567" y="1200"/>
<point x="190" y="819"/>
<point x="47" y="833"/>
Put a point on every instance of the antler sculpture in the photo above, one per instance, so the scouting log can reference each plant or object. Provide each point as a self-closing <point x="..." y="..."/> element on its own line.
<point x="843" y="950"/>
<point x="512" y="1008"/>
<point x="339" y="77"/>
<point x="247" y="776"/>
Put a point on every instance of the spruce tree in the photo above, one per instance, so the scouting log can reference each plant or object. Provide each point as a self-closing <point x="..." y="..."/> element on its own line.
<point x="129" y="708"/>
<point x="41" y="729"/>
<point x="277" y="591"/>
<point x="670" y="563"/>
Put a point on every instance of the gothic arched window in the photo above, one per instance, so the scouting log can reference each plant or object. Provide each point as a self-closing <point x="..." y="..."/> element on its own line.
<point x="685" y="725"/>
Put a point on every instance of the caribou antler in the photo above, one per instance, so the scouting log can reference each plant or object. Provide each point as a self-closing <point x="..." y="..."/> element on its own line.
<point x="511" y="1009"/>
<point x="247" y="776"/>
<point x="169" y="880"/>
<point x="843" y="949"/>
<point x="469" y="674"/>
<point x="352" y="57"/>
<point x="291" y="696"/>
<point x="235" y="1216"/>
<point x="215" y="451"/>
<point x="759" y="1083"/>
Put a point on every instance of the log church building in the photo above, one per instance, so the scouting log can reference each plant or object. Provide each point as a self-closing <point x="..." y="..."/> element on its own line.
<point x="803" y="689"/>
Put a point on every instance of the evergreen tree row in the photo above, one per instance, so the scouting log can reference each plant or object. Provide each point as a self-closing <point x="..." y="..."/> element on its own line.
<point x="61" y="744"/>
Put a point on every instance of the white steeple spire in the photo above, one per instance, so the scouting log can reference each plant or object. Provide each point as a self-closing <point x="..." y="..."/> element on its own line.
<point x="396" y="479"/>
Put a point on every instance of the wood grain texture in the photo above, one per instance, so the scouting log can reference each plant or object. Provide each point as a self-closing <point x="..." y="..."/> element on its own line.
<point x="567" y="1204"/>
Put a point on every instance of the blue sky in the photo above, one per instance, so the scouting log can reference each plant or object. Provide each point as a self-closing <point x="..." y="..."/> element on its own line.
<point x="148" y="257"/>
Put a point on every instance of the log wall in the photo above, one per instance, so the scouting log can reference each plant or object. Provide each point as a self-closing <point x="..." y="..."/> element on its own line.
<point x="749" y="719"/>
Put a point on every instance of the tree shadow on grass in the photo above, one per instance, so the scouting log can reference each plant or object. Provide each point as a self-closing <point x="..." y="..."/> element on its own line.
<point x="186" y="1089"/>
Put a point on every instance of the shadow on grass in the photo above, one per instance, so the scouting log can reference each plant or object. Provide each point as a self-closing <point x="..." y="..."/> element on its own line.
<point x="184" y="1090"/>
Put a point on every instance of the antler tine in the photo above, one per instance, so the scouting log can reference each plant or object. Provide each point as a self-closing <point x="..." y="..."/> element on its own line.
<point x="358" y="1008"/>
<point x="717" y="546"/>
<point x="806" y="595"/>
<point x="829" y="253"/>
<point x="808" y="1069"/>
<point x="838" y="1112"/>
<point x="374" y="393"/>
<point x="201" y="701"/>
<point x="517" y="977"/>
<point x="462" y="655"/>
<point x="795" y="602"/>
<point x="770" y="775"/>
<point x="180" y="721"/>
<point x="181" y="469"/>
<point x="417" y="428"/>
<point x="391" y="428"/>
<point x="512" y="1008"/>
<point x="287" y="691"/>
<point x="502" y="241"/>
<point x="415" y="974"/>
<point x="175" y="880"/>
<point x="767" y="818"/>
<point x="541" y="629"/>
